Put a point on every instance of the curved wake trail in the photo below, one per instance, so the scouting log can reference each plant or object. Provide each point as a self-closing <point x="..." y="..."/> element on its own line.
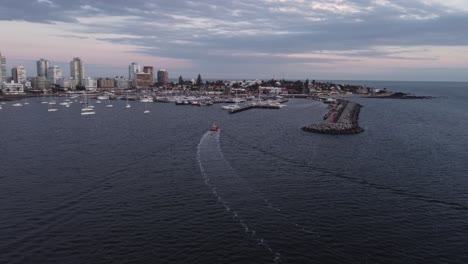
<point x="225" y="185"/>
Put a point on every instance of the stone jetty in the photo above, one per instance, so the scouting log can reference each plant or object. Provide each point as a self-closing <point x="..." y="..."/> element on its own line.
<point x="342" y="118"/>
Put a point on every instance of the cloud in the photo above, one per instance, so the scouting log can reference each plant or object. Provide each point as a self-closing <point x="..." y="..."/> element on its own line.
<point x="210" y="31"/>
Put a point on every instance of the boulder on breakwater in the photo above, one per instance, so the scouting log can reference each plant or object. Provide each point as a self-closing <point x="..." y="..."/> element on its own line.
<point x="342" y="118"/>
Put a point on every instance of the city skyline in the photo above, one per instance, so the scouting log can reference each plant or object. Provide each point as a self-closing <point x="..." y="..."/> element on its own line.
<point x="292" y="39"/>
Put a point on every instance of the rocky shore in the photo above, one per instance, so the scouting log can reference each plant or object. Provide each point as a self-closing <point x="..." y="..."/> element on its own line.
<point x="400" y="95"/>
<point x="342" y="118"/>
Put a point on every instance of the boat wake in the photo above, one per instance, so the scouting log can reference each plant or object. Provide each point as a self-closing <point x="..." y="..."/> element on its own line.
<point x="225" y="185"/>
<point x="238" y="198"/>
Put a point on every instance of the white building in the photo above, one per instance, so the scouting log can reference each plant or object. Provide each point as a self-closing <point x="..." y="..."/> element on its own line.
<point x="122" y="83"/>
<point x="54" y="73"/>
<point x="18" y="74"/>
<point x="64" y="83"/>
<point x="3" y="70"/>
<point x="90" y="84"/>
<point x="12" y="88"/>
<point x="271" y="90"/>
<point x="133" y="69"/>
<point x="77" y="70"/>
<point x="42" y="67"/>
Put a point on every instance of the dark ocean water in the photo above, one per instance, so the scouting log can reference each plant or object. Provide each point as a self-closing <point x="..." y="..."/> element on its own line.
<point x="128" y="187"/>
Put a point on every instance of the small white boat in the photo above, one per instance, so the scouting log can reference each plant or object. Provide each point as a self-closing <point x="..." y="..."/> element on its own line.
<point x="146" y="99"/>
<point x="98" y="102"/>
<point x="63" y="103"/>
<point x="3" y="103"/>
<point x="103" y="97"/>
<point x="17" y="104"/>
<point x="230" y="107"/>
<point x="127" y="106"/>
<point x="146" y="111"/>
<point x="109" y="105"/>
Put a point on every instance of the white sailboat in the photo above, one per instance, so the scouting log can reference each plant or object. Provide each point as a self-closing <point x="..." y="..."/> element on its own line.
<point x="87" y="109"/>
<point x="44" y="101"/>
<point x="232" y="106"/>
<point x="127" y="105"/>
<point x="109" y="105"/>
<point x="51" y="108"/>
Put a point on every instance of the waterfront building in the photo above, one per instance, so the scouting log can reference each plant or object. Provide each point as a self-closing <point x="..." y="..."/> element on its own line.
<point x="150" y="70"/>
<point x="142" y="80"/>
<point x="12" y="88"/>
<point x="53" y="74"/>
<point x="272" y="90"/>
<point x="122" y="83"/>
<point x="18" y="74"/>
<point x="105" y="84"/>
<point x="90" y="84"/>
<point x="40" y="83"/>
<point x="3" y="69"/>
<point x="77" y="70"/>
<point x="64" y="83"/>
<point x="42" y="66"/>
<point x="133" y="69"/>
<point x="163" y="76"/>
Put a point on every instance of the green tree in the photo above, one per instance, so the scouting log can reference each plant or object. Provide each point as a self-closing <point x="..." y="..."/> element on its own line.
<point x="181" y="81"/>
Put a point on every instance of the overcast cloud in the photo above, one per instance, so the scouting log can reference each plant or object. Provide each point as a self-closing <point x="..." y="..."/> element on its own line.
<point x="260" y="38"/>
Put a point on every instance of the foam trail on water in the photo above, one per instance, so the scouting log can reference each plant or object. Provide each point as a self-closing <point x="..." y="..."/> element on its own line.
<point x="209" y="145"/>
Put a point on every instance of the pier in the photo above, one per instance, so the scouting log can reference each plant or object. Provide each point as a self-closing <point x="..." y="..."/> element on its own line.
<point x="342" y="118"/>
<point x="251" y="106"/>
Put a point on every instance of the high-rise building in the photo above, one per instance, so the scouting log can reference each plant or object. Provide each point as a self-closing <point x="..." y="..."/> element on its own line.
<point x="54" y="73"/>
<point x="163" y="76"/>
<point x="142" y="80"/>
<point x="3" y="70"/>
<point x="42" y="67"/>
<point x="77" y="70"/>
<point x="133" y="69"/>
<point x="18" y="74"/>
<point x="149" y="69"/>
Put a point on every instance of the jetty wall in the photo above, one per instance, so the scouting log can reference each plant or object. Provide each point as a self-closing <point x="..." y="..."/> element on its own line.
<point x="342" y="118"/>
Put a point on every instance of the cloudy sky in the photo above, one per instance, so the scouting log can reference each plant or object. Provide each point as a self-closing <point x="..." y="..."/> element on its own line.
<point x="292" y="39"/>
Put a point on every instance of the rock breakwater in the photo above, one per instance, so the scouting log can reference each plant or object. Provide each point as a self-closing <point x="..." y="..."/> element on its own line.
<point x="342" y="118"/>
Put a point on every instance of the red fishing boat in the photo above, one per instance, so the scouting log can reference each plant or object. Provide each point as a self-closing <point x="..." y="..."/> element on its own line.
<point x="215" y="128"/>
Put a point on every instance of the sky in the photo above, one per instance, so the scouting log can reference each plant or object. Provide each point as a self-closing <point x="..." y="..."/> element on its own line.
<point x="413" y="40"/>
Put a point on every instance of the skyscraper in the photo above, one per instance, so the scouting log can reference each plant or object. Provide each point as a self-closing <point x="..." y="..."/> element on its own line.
<point x="133" y="69"/>
<point x="18" y="74"/>
<point x="77" y="70"/>
<point x="54" y="73"/>
<point x="163" y="76"/>
<point x="3" y="70"/>
<point x="149" y="69"/>
<point x="42" y="67"/>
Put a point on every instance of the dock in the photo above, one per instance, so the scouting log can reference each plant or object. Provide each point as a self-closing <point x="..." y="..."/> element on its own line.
<point x="251" y="106"/>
